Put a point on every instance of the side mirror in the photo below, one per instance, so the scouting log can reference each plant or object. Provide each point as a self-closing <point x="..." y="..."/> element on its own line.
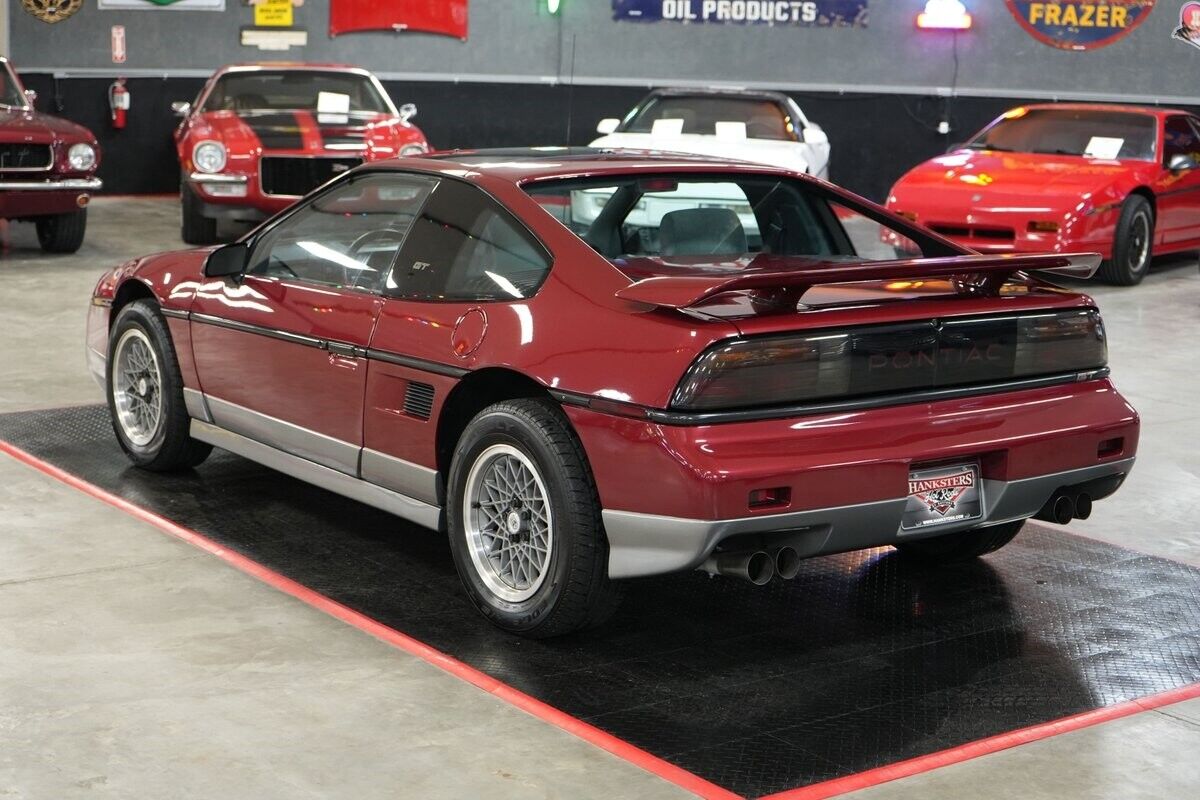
<point x="608" y="125"/>
<point x="30" y="97"/>
<point x="227" y="261"/>
<point x="1181" y="161"/>
<point x="814" y="135"/>
<point x="408" y="111"/>
<point x="181" y="108"/>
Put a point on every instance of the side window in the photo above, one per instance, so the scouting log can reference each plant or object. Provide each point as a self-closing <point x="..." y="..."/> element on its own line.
<point x="1179" y="138"/>
<point x="465" y="246"/>
<point x="347" y="237"/>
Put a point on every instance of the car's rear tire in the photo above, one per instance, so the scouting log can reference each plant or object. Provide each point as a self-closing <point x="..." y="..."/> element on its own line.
<point x="62" y="233"/>
<point x="524" y="522"/>
<point x="194" y="227"/>
<point x="145" y="392"/>
<point x="962" y="546"/>
<point x="1133" y="244"/>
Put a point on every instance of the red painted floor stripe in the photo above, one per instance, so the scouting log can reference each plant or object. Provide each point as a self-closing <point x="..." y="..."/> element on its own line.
<point x="531" y="705"/>
<point x="606" y="741"/>
<point x="982" y="747"/>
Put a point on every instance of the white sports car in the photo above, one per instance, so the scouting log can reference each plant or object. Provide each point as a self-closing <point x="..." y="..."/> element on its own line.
<point x="756" y="126"/>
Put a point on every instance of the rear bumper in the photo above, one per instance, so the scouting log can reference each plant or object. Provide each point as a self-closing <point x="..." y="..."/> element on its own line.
<point x="645" y="544"/>
<point x="671" y="493"/>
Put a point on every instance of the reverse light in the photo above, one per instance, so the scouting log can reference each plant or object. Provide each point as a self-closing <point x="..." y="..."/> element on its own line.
<point x="946" y="15"/>
<point x="81" y="157"/>
<point x="209" y="156"/>
<point x="1043" y="226"/>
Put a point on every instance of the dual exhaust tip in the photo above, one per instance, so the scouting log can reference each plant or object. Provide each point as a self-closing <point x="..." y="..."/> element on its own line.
<point x="756" y="566"/>
<point x="1064" y="506"/>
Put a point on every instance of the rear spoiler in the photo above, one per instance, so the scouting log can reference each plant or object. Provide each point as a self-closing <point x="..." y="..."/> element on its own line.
<point x="990" y="273"/>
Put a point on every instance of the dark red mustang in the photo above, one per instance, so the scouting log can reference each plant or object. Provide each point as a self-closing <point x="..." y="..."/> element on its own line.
<point x="47" y="167"/>
<point x="588" y="366"/>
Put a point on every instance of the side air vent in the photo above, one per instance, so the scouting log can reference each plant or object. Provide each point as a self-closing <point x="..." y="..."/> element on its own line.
<point x="418" y="400"/>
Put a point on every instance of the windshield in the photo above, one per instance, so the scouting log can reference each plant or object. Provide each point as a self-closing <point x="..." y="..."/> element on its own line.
<point x="719" y="218"/>
<point x="296" y="90"/>
<point x="10" y="90"/>
<point x="763" y="119"/>
<point x="1071" y="132"/>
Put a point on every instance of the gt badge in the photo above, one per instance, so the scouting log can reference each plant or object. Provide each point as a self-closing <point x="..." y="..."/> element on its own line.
<point x="943" y="494"/>
<point x="52" y="11"/>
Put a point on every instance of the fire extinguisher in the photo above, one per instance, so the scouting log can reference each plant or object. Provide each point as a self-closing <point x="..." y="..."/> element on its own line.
<point x="118" y="103"/>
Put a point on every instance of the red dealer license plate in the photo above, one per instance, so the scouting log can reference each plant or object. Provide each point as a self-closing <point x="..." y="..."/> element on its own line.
<point x="941" y="495"/>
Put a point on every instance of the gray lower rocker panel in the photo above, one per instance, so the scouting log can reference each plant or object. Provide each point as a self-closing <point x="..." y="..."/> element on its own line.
<point x="319" y="475"/>
<point x="401" y="476"/>
<point x="649" y="544"/>
<point x="302" y="442"/>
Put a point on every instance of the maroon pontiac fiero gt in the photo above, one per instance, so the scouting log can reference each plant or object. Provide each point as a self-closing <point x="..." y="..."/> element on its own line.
<point x="587" y="366"/>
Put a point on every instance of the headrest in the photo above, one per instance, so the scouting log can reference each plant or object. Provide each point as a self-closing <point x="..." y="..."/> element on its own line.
<point x="701" y="232"/>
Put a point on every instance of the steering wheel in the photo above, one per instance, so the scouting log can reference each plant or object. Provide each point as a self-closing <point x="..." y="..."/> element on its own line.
<point x="365" y="277"/>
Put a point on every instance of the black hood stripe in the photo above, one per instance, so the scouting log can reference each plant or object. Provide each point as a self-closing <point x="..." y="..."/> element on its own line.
<point x="275" y="131"/>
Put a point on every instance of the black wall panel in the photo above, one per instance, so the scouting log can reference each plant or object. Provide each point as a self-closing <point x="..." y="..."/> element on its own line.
<point x="875" y="138"/>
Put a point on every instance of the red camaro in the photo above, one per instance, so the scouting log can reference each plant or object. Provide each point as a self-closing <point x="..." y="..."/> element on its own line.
<point x="588" y="366"/>
<point x="1117" y="180"/>
<point x="47" y="167"/>
<point x="259" y="137"/>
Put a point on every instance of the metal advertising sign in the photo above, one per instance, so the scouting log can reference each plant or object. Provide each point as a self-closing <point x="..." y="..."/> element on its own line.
<point x="151" y="5"/>
<point x="805" y="13"/>
<point x="1085" y="25"/>
<point x="52" y="11"/>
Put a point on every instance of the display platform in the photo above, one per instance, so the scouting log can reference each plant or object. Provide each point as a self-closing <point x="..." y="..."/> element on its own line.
<point x="862" y="661"/>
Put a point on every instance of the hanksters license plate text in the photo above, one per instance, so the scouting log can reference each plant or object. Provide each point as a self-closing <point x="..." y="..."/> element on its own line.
<point x="942" y="495"/>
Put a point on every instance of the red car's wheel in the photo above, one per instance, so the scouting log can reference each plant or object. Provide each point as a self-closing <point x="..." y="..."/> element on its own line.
<point x="524" y="521"/>
<point x="194" y="227"/>
<point x="1132" y="246"/>
<point x="964" y="545"/>
<point x="62" y="233"/>
<point x="145" y="392"/>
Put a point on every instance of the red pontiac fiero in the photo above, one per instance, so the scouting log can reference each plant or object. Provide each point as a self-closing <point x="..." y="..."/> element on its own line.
<point x="1117" y="180"/>
<point x="586" y="366"/>
<point x="260" y="136"/>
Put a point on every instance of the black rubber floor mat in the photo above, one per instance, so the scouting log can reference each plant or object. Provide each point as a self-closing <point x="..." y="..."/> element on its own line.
<point x="862" y="661"/>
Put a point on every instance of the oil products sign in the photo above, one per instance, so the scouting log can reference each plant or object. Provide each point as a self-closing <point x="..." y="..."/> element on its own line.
<point x="1084" y="25"/>
<point x="808" y="13"/>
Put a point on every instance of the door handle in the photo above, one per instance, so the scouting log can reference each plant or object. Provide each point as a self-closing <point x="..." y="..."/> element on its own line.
<point x="347" y="350"/>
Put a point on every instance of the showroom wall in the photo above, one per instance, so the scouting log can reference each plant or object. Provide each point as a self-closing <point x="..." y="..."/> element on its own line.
<point x="880" y="90"/>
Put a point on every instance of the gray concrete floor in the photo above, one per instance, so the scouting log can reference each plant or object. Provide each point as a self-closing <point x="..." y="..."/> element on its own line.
<point x="133" y="666"/>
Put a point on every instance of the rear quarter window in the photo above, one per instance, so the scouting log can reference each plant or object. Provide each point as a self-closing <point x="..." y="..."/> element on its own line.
<point x="465" y="246"/>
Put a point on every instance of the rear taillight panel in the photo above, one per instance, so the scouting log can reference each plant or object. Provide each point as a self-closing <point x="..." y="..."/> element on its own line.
<point x="879" y="360"/>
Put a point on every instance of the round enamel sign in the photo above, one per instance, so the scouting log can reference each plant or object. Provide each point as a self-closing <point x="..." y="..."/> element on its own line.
<point x="1084" y="25"/>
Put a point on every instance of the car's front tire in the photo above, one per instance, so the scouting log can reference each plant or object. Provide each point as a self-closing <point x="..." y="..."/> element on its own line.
<point x="145" y="392"/>
<point x="524" y="522"/>
<point x="62" y="233"/>
<point x="1132" y="245"/>
<point x="962" y="546"/>
<point x="194" y="227"/>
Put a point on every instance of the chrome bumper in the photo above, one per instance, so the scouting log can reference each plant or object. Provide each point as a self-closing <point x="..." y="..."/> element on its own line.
<point x="216" y="178"/>
<point x="647" y="544"/>
<point x="60" y="185"/>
